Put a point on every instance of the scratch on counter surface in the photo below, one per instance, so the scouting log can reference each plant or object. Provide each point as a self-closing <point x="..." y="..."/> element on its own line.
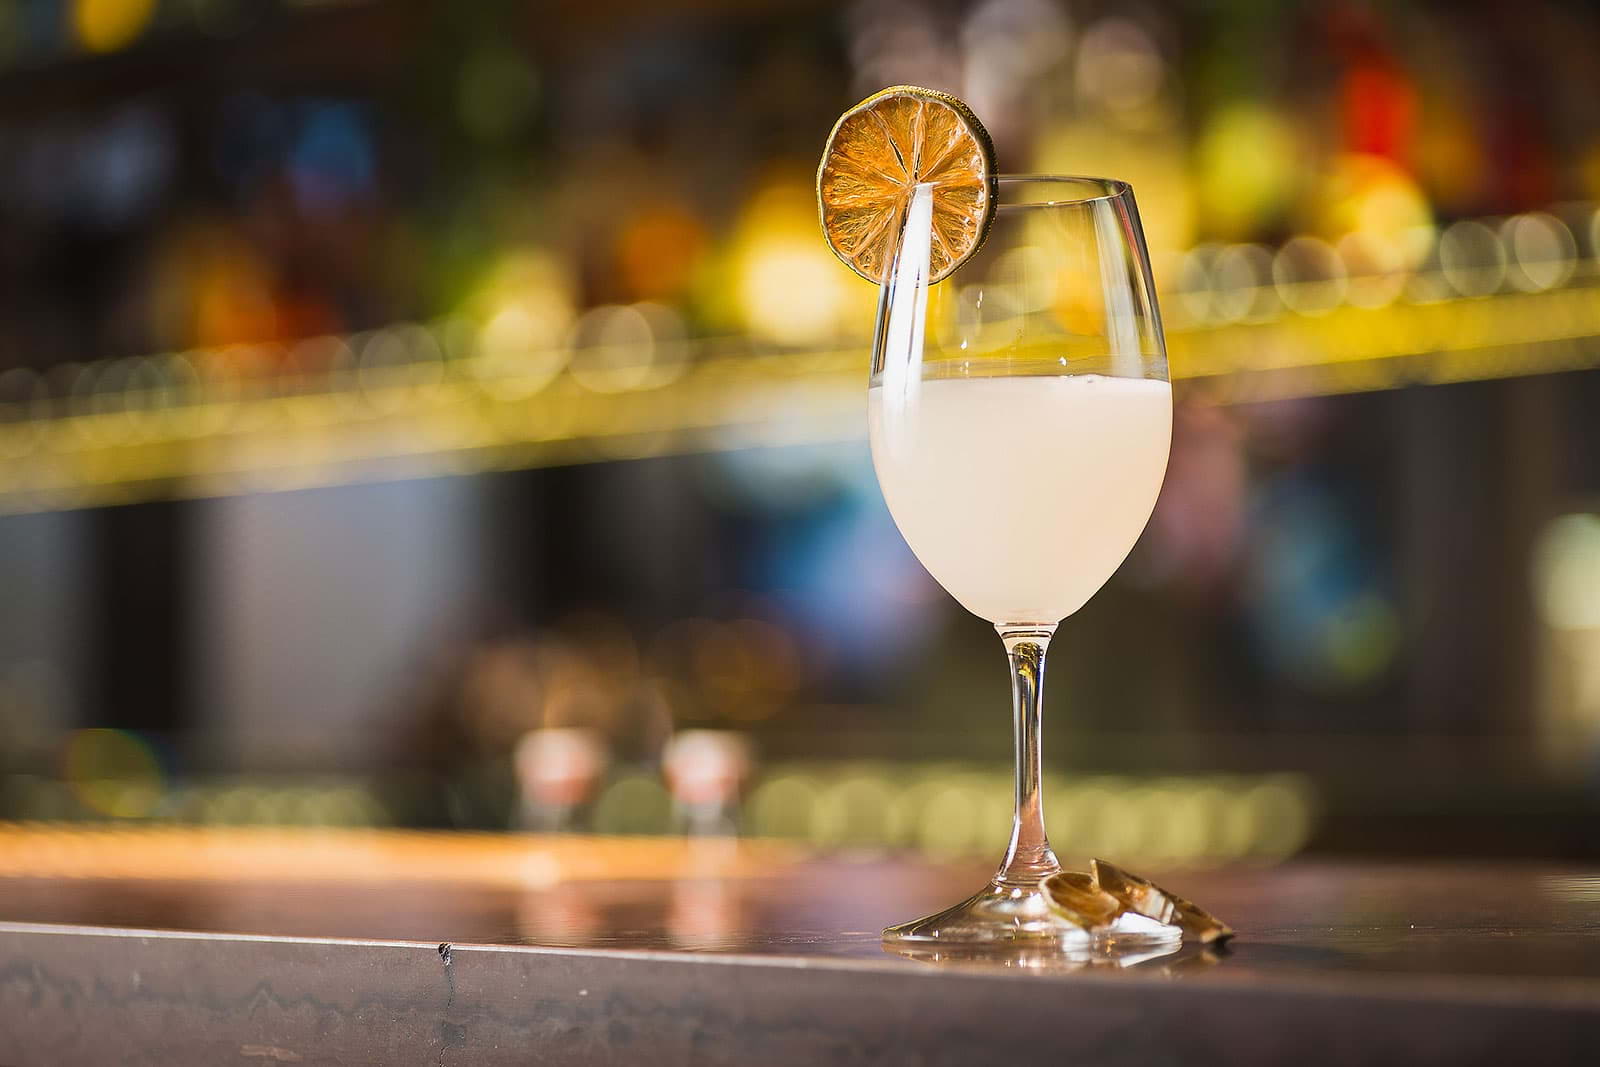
<point x="449" y="1034"/>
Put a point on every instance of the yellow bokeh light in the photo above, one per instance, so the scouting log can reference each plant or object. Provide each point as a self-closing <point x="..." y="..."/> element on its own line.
<point x="1567" y="572"/>
<point x="107" y="25"/>
<point x="783" y="806"/>
<point x="790" y="288"/>
<point x="792" y="291"/>
<point x="1375" y="268"/>
<point x="1375" y="197"/>
<point x="524" y="308"/>
<point x="113" y="772"/>
<point x="1247" y="166"/>
<point x="855" y="813"/>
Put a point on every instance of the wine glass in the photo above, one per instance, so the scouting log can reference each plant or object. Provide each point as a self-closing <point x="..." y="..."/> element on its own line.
<point x="1020" y="417"/>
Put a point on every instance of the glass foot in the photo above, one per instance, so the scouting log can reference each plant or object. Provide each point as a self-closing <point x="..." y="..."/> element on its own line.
<point x="1002" y="914"/>
<point x="1057" y="957"/>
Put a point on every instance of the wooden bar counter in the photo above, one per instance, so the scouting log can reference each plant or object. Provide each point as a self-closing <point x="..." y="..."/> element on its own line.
<point x="387" y="947"/>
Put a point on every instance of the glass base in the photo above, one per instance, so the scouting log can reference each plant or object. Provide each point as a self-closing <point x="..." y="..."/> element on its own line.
<point x="1058" y="957"/>
<point x="1005" y="915"/>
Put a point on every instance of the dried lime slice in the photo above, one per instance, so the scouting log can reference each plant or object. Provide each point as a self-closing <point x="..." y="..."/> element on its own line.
<point x="1145" y="898"/>
<point x="879" y="152"/>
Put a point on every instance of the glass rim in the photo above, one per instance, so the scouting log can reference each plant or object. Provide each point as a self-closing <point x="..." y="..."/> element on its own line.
<point x="1104" y="189"/>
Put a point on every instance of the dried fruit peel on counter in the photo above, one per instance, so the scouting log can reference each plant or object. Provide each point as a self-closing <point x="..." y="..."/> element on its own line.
<point x="1096" y="900"/>
<point x="1074" y="897"/>
<point x="879" y="152"/>
<point x="1144" y="897"/>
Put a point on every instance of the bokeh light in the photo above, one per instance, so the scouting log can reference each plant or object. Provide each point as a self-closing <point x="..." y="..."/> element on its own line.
<point x="633" y="804"/>
<point x="524" y="308"/>
<point x="1376" y="269"/>
<point x="791" y="290"/>
<point x="498" y="92"/>
<point x="1542" y="250"/>
<point x="1246" y="168"/>
<point x="1309" y="275"/>
<point x="618" y="348"/>
<point x="1242" y="275"/>
<point x="899" y="42"/>
<point x="1472" y="258"/>
<point x="1008" y="47"/>
<point x="1567" y="572"/>
<point x="1120" y="68"/>
<point x="1375" y="197"/>
<point x="108" y="25"/>
<point x="113" y="772"/>
<point x="660" y="249"/>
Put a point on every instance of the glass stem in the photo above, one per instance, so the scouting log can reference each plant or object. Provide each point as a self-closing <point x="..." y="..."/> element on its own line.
<point x="1029" y="857"/>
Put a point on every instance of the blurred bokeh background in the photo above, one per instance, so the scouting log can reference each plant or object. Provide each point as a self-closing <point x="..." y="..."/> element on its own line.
<point x="448" y="415"/>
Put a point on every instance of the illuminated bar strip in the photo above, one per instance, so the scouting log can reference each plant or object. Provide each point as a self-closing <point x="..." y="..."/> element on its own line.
<point x="272" y="854"/>
<point x="228" y="436"/>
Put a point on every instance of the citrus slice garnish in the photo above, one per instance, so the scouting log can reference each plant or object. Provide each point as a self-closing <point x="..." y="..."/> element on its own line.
<point x="879" y="152"/>
<point x="1144" y="897"/>
<point x="1076" y="898"/>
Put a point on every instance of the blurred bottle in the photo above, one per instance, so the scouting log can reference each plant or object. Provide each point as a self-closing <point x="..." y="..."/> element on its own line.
<point x="706" y="771"/>
<point x="557" y="769"/>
